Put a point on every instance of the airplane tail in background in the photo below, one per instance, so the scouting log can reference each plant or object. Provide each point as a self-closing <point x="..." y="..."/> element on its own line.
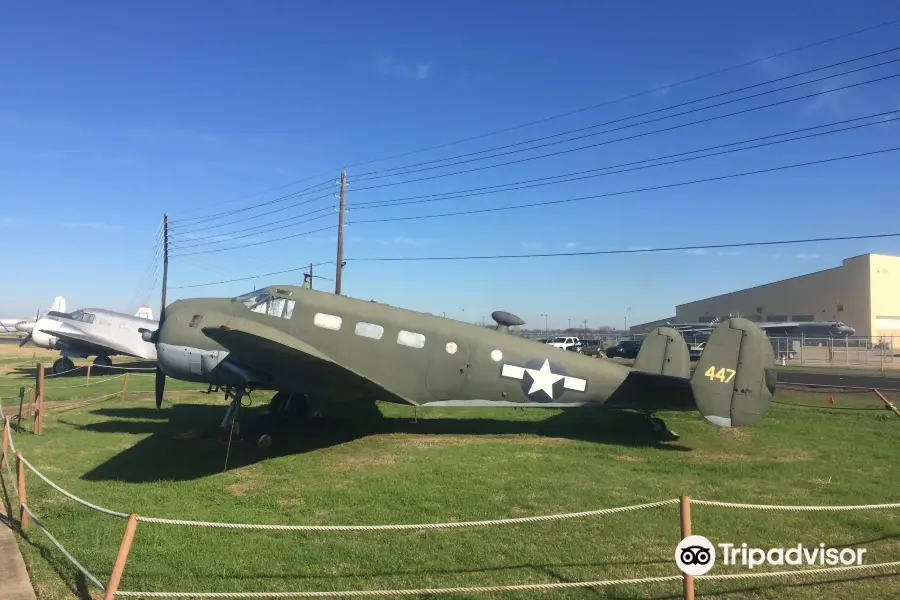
<point x="734" y="381"/>
<point x="144" y="312"/>
<point x="59" y="304"/>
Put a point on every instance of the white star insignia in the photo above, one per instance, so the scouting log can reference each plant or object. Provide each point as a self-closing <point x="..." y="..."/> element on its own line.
<point x="543" y="378"/>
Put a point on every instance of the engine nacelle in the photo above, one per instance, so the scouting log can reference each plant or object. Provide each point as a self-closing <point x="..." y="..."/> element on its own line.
<point x="41" y="337"/>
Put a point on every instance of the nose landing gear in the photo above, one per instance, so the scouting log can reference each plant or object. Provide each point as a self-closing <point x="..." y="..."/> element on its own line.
<point x="659" y="429"/>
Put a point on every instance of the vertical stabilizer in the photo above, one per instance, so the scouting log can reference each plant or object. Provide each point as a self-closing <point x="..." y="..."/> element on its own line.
<point x="144" y="312"/>
<point x="59" y="304"/>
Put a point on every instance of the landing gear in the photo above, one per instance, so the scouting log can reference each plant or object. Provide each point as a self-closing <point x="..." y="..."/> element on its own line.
<point x="62" y="364"/>
<point x="99" y="363"/>
<point x="659" y="429"/>
<point x="288" y="407"/>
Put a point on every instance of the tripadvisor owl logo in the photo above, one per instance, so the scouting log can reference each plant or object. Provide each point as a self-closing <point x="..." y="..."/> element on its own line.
<point x="695" y="555"/>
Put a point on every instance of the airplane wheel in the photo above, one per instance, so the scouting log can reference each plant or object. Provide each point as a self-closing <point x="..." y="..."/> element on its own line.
<point x="288" y="407"/>
<point x="99" y="363"/>
<point x="61" y="365"/>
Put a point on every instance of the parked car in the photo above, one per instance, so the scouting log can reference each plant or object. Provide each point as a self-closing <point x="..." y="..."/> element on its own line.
<point x="625" y="349"/>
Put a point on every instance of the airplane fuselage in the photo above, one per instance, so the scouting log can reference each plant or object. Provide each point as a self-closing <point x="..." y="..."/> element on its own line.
<point x="94" y="332"/>
<point x="422" y="359"/>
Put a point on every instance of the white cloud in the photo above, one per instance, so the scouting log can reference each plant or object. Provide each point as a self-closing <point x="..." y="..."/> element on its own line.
<point x="729" y="253"/>
<point x="89" y="225"/>
<point x="571" y="246"/>
<point x="697" y="251"/>
<point x="386" y="64"/>
<point x="804" y="256"/>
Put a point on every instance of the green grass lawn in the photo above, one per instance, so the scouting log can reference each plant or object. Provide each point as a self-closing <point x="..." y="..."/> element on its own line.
<point x="389" y="466"/>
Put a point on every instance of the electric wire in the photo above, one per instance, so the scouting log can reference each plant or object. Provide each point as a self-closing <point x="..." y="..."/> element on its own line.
<point x="241" y="247"/>
<point x="309" y="190"/>
<point x="195" y="285"/>
<point x="366" y="176"/>
<point x="638" y="135"/>
<point x="630" y="137"/>
<point x="632" y="251"/>
<point x="583" y="109"/>
<point x="231" y="238"/>
<point x="182" y="238"/>
<point x="632" y="191"/>
<point x="597" y="172"/>
<point x="245" y="219"/>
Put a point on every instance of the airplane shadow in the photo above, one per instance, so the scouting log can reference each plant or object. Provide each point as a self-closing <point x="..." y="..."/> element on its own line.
<point x="183" y="443"/>
<point x="31" y="371"/>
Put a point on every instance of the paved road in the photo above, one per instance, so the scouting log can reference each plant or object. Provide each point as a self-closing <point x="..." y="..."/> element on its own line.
<point x="886" y="383"/>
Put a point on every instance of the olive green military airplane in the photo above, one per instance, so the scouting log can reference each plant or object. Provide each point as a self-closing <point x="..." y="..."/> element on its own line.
<point x="303" y="343"/>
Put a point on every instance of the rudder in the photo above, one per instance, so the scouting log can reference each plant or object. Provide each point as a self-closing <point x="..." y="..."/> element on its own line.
<point x="664" y="352"/>
<point x="734" y="381"/>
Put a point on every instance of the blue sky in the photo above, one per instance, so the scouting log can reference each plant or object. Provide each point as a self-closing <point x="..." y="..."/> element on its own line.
<point x="113" y="113"/>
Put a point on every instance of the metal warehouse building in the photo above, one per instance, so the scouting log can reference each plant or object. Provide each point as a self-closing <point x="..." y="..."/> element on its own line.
<point x="864" y="292"/>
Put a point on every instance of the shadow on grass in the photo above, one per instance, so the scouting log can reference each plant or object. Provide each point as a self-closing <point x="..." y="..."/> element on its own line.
<point x="80" y="371"/>
<point x="182" y="443"/>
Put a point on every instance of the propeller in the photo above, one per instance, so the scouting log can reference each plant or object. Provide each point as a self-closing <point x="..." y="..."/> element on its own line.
<point x="160" y="376"/>
<point x="27" y="339"/>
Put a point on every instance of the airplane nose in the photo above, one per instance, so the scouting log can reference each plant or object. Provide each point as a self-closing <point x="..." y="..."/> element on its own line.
<point x="24" y="326"/>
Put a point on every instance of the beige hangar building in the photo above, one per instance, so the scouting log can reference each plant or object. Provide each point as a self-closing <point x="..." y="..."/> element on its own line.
<point x="864" y="292"/>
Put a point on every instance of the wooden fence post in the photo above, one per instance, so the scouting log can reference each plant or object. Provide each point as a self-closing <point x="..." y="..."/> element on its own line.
<point x="3" y="459"/>
<point x="88" y="376"/>
<point x="124" y="387"/>
<point x="687" y="580"/>
<point x="39" y="408"/>
<point x="887" y="402"/>
<point x="119" y="567"/>
<point x="20" y="474"/>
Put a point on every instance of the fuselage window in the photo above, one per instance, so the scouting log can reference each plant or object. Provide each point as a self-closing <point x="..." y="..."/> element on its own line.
<point x="413" y="340"/>
<point x="289" y="309"/>
<point x="327" y="321"/>
<point x="369" y="330"/>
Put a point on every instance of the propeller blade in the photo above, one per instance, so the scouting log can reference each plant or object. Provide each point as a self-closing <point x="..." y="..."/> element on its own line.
<point x="160" y="386"/>
<point x="26" y="340"/>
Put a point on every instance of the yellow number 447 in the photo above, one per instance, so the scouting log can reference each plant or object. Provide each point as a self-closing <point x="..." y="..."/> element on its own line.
<point x="723" y="375"/>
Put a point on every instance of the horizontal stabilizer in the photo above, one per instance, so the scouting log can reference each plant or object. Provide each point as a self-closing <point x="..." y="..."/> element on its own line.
<point x="734" y="381"/>
<point x="664" y="352"/>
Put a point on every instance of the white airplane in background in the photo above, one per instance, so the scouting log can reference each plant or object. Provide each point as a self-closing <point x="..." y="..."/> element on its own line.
<point x="93" y="332"/>
<point x="25" y="325"/>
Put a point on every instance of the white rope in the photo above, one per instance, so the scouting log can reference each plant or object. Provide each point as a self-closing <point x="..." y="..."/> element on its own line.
<point x="71" y="495"/>
<point x="69" y="387"/>
<point x="126" y="368"/>
<point x="64" y="372"/>
<point x="497" y="588"/>
<point x="452" y="525"/>
<point x="59" y="546"/>
<point x="801" y="508"/>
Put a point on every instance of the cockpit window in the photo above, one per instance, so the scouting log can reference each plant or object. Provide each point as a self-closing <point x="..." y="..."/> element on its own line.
<point x="263" y="302"/>
<point x="80" y="315"/>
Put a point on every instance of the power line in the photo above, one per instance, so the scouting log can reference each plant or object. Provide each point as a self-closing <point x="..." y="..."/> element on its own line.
<point x="636" y="251"/>
<point x="242" y="246"/>
<point x="634" y="191"/>
<point x="181" y="287"/>
<point x="597" y="172"/>
<point x="630" y="125"/>
<point x="231" y="238"/>
<point x="309" y="190"/>
<point x="366" y="176"/>
<point x="584" y="109"/>
<point x="204" y="240"/>
<point x="634" y="95"/>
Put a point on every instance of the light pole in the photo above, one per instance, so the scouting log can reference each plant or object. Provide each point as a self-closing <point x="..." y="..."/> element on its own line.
<point x="570" y="322"/>
<point x="545" y="322"/>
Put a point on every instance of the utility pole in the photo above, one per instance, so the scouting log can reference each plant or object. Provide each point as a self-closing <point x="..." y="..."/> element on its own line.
<point x="310" y="275"/>
<point x="162" y="309"/>
<point x="340" y="240"/>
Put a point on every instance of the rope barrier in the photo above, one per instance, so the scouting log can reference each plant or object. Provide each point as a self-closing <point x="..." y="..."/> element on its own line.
<point x="786" y="507"/>
<point x="64" y="372"/>
<point x="419" y="526"/>
<point x="501" y="588"/>
<point x="60" y="547"/>
<point x="71" y="495"/>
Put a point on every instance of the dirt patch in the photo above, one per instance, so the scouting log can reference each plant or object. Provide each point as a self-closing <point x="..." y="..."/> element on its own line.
<point x="421" y="441"/>
<point x="629" y="457"/>
<point x="705" y="456"/>
<point x="248" y="479"/>
<point x="367" y="461"/>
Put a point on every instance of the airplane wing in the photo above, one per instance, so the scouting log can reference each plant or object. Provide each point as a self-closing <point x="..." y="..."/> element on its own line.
<point x="89" y="342"/>
<point x="259" y="352"/>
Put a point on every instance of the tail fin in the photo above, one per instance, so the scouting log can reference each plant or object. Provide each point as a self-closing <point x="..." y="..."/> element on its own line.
<point x="144" y="312"/>
<point x="59" y="304"/>
<point x="664" y="352"/>
<point x="734" y="381"/>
